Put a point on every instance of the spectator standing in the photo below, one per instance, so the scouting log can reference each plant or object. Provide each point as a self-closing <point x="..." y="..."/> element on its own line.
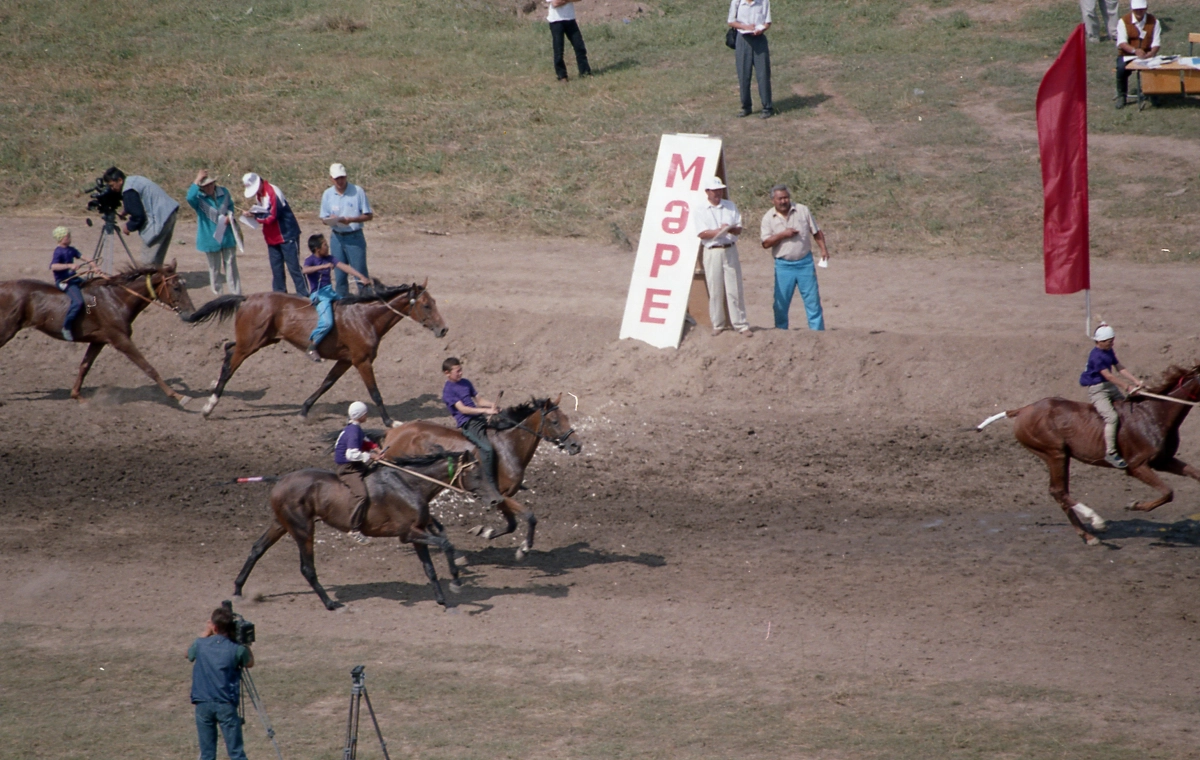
<point x="718" y="225"/>
<point x="148" y="211"/>
<point x="752" y="19"/>
<point x="561" y="15"/>
<point x="280" y="230"/>
<point x="344" y="207"/>
<point x="1139" y="36"/>
<point x="212" y="203"/>
<point x="216" y="685"/>
<point x="1092" y="10"/>
<point x="789" y="231"/>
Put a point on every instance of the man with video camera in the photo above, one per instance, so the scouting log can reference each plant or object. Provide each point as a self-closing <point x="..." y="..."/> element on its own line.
<point x="149" y="211"/>
<point x="216" y="684"/>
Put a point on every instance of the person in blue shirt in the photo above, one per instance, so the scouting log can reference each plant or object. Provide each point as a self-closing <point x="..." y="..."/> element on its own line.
<point x="471" y="412"/>
<point x="212" y="204"/>
<point x="317" y="268"/>
<point x="66" y="277"/>
<point x="217" y="684"/>
<point x="353" y="453"/>
<point x="1106" y="378"/>
<point x="344" y="208"/>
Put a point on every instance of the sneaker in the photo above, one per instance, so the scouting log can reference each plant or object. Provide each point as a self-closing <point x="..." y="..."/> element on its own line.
<point x="743" y="113"/>
<point x="359" y="537"/>
<point x="68" y="335"/>
<point x="1093" y="39"/>
<point x="747" y="333"/>
<point x="1115" y="460"/>
<point x="717" y="331"/>
<point x="1120" y="101"/>
<point x="766" y="114"/>
<point x="312" y="353"/>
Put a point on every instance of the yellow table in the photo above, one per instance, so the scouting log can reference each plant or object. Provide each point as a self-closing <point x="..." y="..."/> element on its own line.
<point x="1169" y="79"/>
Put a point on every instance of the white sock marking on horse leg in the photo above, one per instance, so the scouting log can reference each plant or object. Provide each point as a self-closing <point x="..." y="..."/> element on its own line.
<point x="212" y="404"/>
<point x="1087" y="513"/>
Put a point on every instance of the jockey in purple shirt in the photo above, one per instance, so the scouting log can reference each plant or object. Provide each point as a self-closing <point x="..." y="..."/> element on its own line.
<point x="66" y="277"/>
<point x="352" y="453"/>
<point x="1106" y="378"/>
<point x="471" y="415"/>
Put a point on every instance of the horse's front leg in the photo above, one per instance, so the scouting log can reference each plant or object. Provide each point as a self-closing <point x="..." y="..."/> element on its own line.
<point x="367" y="371"/>
<point x="275" y="532"/>
<point x="89" y="356"/>
<point x="430" y="573"/>
<point x="1148" y="476"/>
<point x="304" y="540"/>
<point x="335" y="373"/>
<point x="125" y="346"/>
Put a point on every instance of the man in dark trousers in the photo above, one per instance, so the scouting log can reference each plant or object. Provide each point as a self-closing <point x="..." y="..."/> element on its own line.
<point x="352" y="453"/>
<point x="148" y="211"/>
<point x="561" y="15"/>
<point x="1139" y="36"/>
<point x="752" y="19"/>
<point x="217" y="685"/>
<point x="471" y="413"/>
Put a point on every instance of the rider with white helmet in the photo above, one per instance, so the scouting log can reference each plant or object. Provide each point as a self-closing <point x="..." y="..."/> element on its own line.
<point x="1106" y="378"/>
<point x="352" y="453"/>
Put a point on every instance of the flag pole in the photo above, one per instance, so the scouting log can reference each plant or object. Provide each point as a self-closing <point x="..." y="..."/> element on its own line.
<point x="1087" y="304"/>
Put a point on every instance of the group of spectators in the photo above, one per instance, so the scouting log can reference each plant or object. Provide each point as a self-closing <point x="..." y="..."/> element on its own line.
<point x="149" y="211"/>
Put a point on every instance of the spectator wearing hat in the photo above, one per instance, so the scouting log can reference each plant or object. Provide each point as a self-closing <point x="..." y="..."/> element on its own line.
<point x="789" y="231"/>
<point x="148" y="211"/>
<point x="752" y="19"/>
<point x="213" y="203"/>
<point x="1139" y="36"/>
<point x="561" y="16"/>
<point x="344" y="207"/>
<point x="280" y="230"/>
<point x="718" y="225"/>
<point x="1092" y="10"/>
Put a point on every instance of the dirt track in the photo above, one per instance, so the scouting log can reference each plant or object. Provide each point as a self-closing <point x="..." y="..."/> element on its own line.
<point x="826" y="484"/>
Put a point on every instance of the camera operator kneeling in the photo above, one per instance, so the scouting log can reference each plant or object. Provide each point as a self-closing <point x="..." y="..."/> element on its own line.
<point x="216" y="685"/>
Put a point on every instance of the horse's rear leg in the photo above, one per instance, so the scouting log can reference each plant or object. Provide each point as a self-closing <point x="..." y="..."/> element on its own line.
<point x="1150" y="477"/>
<point x="125" y="346"/>
<point x="89" y="356"/>
<point x="1179" y="467"/>
<point x="335" y="373"/>
<point x="367" y="371"/>
<point x="264" y="542"/>
<point x="1058" y="463"/>
<point x="233" y="359"/>
<point x="453" y="560"/>
<point x="430" y="573"/>
<point x="304" y="540"/>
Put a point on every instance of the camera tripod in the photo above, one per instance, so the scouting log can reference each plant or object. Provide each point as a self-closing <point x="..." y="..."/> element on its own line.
<point x="106" y="247"/>
<point x="251" y="691"/>
<point x="358" y="691"/>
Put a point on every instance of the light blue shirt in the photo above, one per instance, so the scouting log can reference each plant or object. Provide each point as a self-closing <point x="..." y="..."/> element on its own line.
<point x="351" y="203"/>
<point x="757" y="12"/>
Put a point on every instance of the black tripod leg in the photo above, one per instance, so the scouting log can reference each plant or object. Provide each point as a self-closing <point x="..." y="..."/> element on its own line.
<point x="371" y="710"/>
<point x="352" y="727"/>
<point x="126" y="247"/>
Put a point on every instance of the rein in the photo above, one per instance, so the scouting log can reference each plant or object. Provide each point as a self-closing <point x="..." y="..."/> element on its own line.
<point x="560" y="441"/>
<point x="153" y="293"/>
<point x="386" y="463"/>
<point x="1160" y="397"/>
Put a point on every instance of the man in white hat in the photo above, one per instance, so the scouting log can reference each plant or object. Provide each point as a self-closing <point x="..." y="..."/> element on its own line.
<point x="1105" y="378"/>
<point x="352" y="453"/>
<point x="1092" y="10"/>
<point x="718" y="225"/>
<point x="344" y="207"/>
<point x="1139" y="36"/>
<point x="280" y="230"/>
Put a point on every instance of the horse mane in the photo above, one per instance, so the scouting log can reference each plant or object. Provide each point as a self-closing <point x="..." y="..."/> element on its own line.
<point x="379" y="292"/>
<point x="514" y="415"/>
<point x="125" y="276"/>
<point x="1171" y="378"/>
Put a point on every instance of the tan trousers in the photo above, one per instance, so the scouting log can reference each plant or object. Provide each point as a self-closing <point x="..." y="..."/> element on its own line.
<point x="223" y="271"/>
<point x="723" y="273"/>
<point x="1102" y="396"/>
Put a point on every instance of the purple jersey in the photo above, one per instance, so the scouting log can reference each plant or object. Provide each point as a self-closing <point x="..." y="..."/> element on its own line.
<point x="1098" y="359"/>
<point x="64" y="254"/>
<point x="462" y="391"/>
<point x="351" y="438"/>
<point x="318" y="279"/>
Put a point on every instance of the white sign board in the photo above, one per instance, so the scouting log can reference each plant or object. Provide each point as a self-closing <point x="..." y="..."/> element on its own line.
<point x="666" y="256"/>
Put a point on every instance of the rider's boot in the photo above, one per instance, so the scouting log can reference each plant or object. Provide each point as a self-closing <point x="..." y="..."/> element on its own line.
<point x="313" y="353"/>
<point x="1111" y="454"/>
<point x="356" y="521"/>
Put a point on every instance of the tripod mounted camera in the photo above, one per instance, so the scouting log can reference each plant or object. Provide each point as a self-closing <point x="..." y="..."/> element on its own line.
<point x="358" y="692"/>
<point x="105" y="201"/>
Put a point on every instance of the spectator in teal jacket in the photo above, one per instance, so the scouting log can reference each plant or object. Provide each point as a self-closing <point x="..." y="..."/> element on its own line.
<point x="212" y="203"/>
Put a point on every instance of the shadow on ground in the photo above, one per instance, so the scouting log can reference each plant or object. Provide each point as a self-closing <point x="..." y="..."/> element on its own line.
<point x="799" y="102"/>
<point x="1182" y="533"/>
<point x="558" y="561"/>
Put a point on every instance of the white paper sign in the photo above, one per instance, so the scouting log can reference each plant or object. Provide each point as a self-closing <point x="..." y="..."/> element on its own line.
<point x="666" y="257"/>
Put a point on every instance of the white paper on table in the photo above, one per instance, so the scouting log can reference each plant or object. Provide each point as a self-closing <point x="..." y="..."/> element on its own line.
<point x="222" y="225"/>
<point x="823" y="263"/>
<point x="248" y="221"/>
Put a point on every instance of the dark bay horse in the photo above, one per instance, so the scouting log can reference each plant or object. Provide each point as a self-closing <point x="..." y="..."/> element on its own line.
<point x="516" y="433"/>
<point x="398" y="508"/>
<point x="360" y="322"/>
<point x="1058" y="430"/>
<point x="112" y="305"/>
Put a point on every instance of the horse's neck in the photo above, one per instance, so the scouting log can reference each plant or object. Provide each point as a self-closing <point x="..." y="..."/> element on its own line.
<point x="523" y="442"/>
<point x="131" y="297"/>
<point x="387" y="314"/>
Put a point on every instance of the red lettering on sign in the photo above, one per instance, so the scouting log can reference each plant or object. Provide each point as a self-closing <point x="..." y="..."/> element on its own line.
<point x="675" y="224"/>
<point x="650" y="303"/>
<point x="677" y="166"/>
<point x="661" y="260"/>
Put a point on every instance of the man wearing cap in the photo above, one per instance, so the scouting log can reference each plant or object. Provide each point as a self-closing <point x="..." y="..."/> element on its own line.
<point x="789" y="231"/>
<point x="280" y="230"/>
<point x="344" y="207"/>
<point x="148" y="211"/>
<point x="1092" y="10"/>
<point x="1105" y="378"/>
<point x="717" y="225"/>
<point x="212" y="204"/>
<point x="352" y="453"/>
<point x="1139" y="36"/>
<point x="752" y="19"/>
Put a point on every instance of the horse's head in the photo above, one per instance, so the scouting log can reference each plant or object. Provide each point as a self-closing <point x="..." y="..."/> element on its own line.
<point x="168" y="287"/>
<point x="423" y="310"/>
<point x="556" y="428"/>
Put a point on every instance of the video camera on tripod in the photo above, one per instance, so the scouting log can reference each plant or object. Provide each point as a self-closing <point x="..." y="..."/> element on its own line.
<point x="105" y="201"/>
<point x="243" y="629"/>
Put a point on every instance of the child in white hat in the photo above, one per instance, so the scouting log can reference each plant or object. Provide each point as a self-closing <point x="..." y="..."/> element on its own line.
<point x="352" y="453"/>
<point x="1106" y="378"/>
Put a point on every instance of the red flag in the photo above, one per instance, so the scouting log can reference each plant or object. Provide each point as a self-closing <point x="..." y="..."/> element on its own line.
<point x="1062" y="140"/>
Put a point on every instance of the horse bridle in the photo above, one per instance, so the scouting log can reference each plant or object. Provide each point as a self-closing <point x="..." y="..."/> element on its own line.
<point x="154" y="293"/>
<point x="412" y="300"/>
<point x="560" y="441"/>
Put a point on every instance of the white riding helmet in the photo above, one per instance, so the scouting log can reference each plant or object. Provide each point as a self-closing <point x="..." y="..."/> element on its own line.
<point x="1104" y="332"/>
<point x="358" y="410"/>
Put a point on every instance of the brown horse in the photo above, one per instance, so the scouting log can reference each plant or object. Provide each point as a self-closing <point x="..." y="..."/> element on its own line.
<point x="112" y="305"/>
<point x="1058" y="430"/>
<point x="516" y="433"/>
<point x="359" y="324"/>
<point x="398" y="507"/>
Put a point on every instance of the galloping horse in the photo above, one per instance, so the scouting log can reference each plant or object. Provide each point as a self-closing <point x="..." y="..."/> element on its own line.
<point x="360" y="323"/>
<point x="398" y="508"/>
<point x="112" y="305"/>
<point x="1058" y="430"/>
<point x="515" y="432"/>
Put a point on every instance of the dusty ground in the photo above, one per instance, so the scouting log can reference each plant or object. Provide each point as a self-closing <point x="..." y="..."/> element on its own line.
<point x="824" y="488"/>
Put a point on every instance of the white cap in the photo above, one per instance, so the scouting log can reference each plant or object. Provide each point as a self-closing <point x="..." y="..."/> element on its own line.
<point x="1137" y="5"/>
<point x="336" y="170"/>
<point x="252" y="182"/>
<point x="358" y="410"/>
<point x="714" y="183"/>
<point x="1104" y="332"/>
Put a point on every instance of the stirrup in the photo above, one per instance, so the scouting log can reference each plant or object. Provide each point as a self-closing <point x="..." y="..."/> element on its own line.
<point x="1115" y="460"/>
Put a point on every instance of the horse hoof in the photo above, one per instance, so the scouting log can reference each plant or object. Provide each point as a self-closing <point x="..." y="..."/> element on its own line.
<point x="521" y="552"/>
<point x="460" y="560"/>
<point x="182" y="401"/>
<point x="334" y="606"/>
<point x="1092" y="541"/>
<point x="455" y="587"/>
<point x="1100" y="526"/>
<point x="489" y="534"/>
<point x="476" y="530"/>
<point x="396" y="424"/>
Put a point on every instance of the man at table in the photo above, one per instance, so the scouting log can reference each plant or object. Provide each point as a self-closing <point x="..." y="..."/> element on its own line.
<point x="1139" y="36"/>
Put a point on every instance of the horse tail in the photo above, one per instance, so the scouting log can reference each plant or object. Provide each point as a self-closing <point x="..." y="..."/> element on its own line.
<point x="222" y="308"/>
<point x="998" y="416"/>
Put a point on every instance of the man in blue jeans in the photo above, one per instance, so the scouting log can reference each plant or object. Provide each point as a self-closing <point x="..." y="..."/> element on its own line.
<point x="789" y="231"/>
<point x="344" y="208"/>
<point x="317" y="268"/>
<point x="216" y="685"/>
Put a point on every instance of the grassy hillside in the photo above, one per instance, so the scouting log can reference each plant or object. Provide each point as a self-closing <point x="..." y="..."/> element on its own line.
<point x="904" y="124"/>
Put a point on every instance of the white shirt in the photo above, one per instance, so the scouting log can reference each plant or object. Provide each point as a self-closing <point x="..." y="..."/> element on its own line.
<point x="710" y="217"/>
<point x="757" y="12"/>
<point x="561" y="13"/>
<point x="1123" y="36"/>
